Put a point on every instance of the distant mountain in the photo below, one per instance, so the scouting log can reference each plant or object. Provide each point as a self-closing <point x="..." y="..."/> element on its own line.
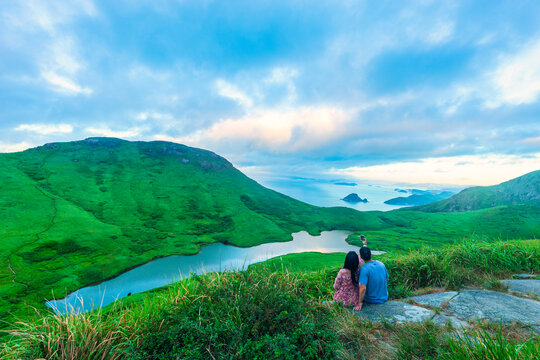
<point x="345" y="183"/>
<point x="354" y="198"/>
<point x="522" y="190"/>
<point x="419" y="199"/>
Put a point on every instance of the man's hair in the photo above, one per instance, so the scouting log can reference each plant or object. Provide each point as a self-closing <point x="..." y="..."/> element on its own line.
<point x="365" y="253"/>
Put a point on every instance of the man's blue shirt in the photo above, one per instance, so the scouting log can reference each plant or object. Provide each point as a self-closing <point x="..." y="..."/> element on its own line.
<point x="373" y="274"/>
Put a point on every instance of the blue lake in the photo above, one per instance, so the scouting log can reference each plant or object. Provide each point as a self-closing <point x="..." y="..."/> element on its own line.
<point x="214" y="257"/>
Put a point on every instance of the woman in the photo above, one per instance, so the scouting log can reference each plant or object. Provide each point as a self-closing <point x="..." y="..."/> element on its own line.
<point x="346" y="283"/>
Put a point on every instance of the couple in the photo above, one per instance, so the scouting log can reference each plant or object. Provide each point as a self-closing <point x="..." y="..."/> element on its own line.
<point x="361" y="279"/>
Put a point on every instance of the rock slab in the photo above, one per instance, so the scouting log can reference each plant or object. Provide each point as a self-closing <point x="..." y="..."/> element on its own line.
<point x="457" y="308"/>
<point x="523" y="286"/>
<point x="395" y="311"/>
<point x="440" y="300"/>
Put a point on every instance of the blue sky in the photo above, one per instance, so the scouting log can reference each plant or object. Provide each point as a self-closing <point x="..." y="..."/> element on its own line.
<point x="419" y="92"/>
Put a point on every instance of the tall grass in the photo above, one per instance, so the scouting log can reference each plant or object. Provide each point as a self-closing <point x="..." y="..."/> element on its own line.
<point x="481" y="345"/>
<point x="466" y="263"/>
<point x="264" y="313"/>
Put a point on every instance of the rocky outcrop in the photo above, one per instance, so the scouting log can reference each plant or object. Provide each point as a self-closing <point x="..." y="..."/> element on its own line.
<point x="459" y="308"/>
<point x="354" y="198"/>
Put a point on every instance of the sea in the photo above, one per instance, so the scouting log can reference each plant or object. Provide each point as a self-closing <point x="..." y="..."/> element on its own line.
<point x="328" y="193"/>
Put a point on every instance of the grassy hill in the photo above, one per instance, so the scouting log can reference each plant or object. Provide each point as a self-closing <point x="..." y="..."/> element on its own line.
<point x="73" y="214"/>
<point x="522" y="190"/>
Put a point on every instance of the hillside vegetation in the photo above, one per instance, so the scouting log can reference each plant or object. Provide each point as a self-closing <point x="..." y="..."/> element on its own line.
<point x="73" y="214"/>
<point x="522" y="190"/>
<point x="276" y="310"/>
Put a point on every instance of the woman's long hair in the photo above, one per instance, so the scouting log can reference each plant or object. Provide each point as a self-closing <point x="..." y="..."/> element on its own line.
<point x="351" y="263"/>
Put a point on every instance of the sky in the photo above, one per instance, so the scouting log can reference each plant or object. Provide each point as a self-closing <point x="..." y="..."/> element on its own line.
<point x="423" y="92"/>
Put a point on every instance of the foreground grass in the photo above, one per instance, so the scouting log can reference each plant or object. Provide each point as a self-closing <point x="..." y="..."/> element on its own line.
<point x="270" y="312"/>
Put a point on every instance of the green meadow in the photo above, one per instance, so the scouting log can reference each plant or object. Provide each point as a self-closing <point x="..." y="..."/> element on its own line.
<point x="74" y="214"/>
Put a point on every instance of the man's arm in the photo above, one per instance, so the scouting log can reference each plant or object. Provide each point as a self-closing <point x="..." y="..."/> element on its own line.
<point x="361" y="294"/>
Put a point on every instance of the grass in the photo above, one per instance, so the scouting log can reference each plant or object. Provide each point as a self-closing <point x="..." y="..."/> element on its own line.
<point x="277" y="312"/>
<point x="74" y="214"/>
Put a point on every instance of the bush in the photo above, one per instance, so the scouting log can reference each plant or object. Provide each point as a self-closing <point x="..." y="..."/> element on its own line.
<point x="254" y="314"/>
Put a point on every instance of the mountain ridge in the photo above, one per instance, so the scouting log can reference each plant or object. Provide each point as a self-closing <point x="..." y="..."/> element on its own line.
<point x="524" y="189"/>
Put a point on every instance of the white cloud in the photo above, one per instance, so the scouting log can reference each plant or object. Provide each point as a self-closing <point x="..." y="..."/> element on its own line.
<point x="143" y="116"/>
<point x="278" y="130"/>
<point x="517" y="79"/>
<point x="32" y="15"/>
<point x="64" y="85"/>
<point x="45" y="129"/>
<point x="6" y="148"/>
<point x="230" y="91"/>
<point x="284" y="75"/>
<point x="107" y="132"/>
<point x="43" y="26"/>
<point x="440" y="33"/>
<point x="455" y="170"/>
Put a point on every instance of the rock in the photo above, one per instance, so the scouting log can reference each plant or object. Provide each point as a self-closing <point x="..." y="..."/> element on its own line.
<point x="523" y="286"/>
<point x="457" y="308"/>
<point x="526" y="276"/>
<point x="443" y="319"/>
<point x="495" y="307"/>
<point x="395" y="311"/>
<point x="439" y="300"/>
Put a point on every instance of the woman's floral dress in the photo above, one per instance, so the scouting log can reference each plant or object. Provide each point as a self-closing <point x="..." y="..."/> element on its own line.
<point x="346" y="292"/>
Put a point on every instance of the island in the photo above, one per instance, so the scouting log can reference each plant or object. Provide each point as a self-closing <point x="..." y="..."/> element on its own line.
<point x="420" y="197"/>
<point x="354" y="198"/>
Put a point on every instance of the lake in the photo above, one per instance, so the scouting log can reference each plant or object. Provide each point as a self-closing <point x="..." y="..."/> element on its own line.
<point x="214" y="257"/>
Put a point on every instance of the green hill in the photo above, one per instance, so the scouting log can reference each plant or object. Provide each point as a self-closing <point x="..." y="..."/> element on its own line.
<point x="74" y="214"/>
<point x="522" y="190"/>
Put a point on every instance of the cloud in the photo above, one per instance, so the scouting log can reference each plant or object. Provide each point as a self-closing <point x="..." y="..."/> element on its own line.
<point x="440" y="33"/>
<point x="50" y="43"/>
<point x="46" y="129"/>
<point x="6" y="148"/>
<point x="65" y="85"/>
<point x="517" y="79"/>
<point x="107" y="132"/>
<point x="486" y="169"/>
<point x="279" y="130"/>
<point x="230" y="91"/>
<point x="143" y="116"/>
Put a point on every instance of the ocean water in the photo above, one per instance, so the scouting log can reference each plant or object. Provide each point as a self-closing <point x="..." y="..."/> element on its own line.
<point x="330" y="193"/>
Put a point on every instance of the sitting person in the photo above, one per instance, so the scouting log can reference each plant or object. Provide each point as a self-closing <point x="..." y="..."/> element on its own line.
<point x="346" y="283"/>
<point x="373" y="280"/>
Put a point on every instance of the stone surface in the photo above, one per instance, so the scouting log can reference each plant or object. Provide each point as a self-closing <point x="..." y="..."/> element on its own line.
<point x="495" y="307"/>
<point x="462" y="307"/>
<point x="523" y="286"/>
<point x="435" y="299"/>
<point x="395" y="311"/>
<point x="526" y="276"/>
<point x="443" y="319"/>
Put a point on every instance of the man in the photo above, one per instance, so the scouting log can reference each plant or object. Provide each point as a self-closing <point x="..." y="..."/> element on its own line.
<point x="373" y="280"/>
